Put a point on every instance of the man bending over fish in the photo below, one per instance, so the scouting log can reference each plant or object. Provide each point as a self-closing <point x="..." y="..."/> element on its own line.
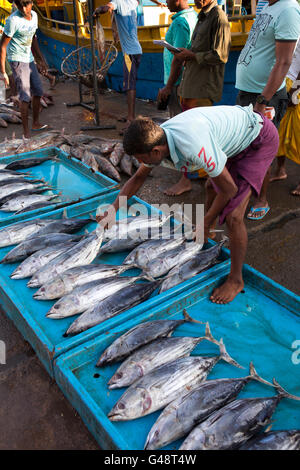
<point x="233" y="144"/>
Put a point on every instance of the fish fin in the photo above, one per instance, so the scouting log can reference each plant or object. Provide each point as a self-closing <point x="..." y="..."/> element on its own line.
<point x="225" y="356"/>
<point x="190" y="319"/>
<point x="145" y="276"/>
<point x="92" y="217"/>
<point x="269" y="427"/>
<point x="254" y="376"/>
<point x="64" y="214"/>
<point x="208" y="336"/>
<point x="281" y="392"/>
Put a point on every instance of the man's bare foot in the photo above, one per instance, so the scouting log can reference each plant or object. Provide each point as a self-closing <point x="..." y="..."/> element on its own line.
<point x="280" y="174"/>
<point x="296" y="191"/>
<point x="227" y="291"/>
<point x="182" y="186"/>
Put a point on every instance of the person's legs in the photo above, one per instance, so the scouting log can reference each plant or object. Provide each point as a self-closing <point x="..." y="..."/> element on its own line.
<point x="37" y="92"/>
<point x="296" y="191"/>
<point x="280" y="171"/>
<point x="21" y="74"/>
<point x="210" y="195"/>
<point x="130" y="67"/>
<point x="24" y="106"/>
<point x="238" y="239"/>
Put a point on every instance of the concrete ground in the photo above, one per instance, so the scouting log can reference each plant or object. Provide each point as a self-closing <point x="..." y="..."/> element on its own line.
<point x="34" y="414"/>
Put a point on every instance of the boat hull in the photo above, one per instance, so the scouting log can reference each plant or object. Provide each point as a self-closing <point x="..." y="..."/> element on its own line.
<point x="150" y="73"/>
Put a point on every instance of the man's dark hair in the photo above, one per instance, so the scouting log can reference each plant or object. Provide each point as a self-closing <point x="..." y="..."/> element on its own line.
<point x="22" y="3"/>
<point x="142" y="135"/>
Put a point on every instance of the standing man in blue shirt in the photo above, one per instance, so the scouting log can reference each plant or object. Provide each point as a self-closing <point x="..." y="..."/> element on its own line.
<point x="19" y="44"/>
<point x="262" y="67"/>
<point x="124" y="12"/>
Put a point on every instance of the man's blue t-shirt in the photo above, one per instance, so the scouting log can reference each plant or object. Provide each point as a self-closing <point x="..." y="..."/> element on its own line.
<point x="277" y="22"/>
<point x="126" y="19"/>
<point x="21" y="32"/>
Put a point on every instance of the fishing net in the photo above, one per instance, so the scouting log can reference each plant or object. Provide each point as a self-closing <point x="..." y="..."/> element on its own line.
<point x="79" y="64"/>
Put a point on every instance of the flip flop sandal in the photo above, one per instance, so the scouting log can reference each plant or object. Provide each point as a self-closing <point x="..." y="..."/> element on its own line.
<point x="265" y="210"/>
<point x="45" y="126"/>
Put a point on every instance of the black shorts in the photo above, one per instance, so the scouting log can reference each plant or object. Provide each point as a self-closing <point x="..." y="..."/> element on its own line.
<point x="279" y="102"/>
<point x="130" y="67"/>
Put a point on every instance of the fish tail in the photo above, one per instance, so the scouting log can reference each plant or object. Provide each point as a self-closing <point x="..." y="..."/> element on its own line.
<point x="190" y="319"/>
<point x="225" y="356"/>
<point x="283" y="393"/>
<point x="208" y="336"/>
<point x="254" y="376"/>
<point x="145" y="275"/>
<point x="92" y="217"/>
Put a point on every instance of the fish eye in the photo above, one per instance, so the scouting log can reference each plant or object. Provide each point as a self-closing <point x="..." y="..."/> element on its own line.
<point x="121" y="406"/>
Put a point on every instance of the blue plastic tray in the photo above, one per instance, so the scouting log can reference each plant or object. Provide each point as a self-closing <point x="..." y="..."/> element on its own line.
<point x="260" y="325"/>
<point x="74" y="179"/>
<point x="45" y="334"/>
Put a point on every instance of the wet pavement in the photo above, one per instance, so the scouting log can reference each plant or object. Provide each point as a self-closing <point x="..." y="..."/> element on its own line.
<point x="34" y="414"/>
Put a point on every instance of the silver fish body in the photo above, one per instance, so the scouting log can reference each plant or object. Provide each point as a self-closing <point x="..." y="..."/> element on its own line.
<point x="23" y="192"/>
<point x="39" y="259"/>
<point x="16" y="233"/>
<point x="232" y="425"/>
<point x="160" y="387"/>
<point x="150" y="249"/>
<point x="150" y="356"/>
<point x="274" y="440"/>
<point x="118" y="302"/>
<point x="138" y="336"/>
<point x="10" y="189"/>
<point x="21" y="202"/>
<point x="163" y="263"/>
<point x="184" y="271"/>
<point x="38" y="205"/>
<point x="27" y="163"/>
<point x="69" y="225"/>
<point x="27" y="247"/>
<point x="133" y="226"/>
<point x="64" y="283"/>
<point x="87" y="295"/>
<point x="184" y="413"/>
<point x="84" y="252"/>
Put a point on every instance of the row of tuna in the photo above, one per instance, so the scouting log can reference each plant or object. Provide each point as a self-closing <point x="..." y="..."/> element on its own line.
<point x="19" y="191"/>
<point x="207" y="414"/>
<point x="59" y="263"/>
<point x="9" y="115"/>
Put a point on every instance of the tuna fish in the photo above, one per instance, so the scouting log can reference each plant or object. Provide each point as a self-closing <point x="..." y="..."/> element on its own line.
<point x="64" y="225"/>
<point x="274" y="440"/>
<point x="89" y="159"/>
<point x="107" y="168"/>
<point x="117" y="154"/>
<point x="19" y="203"/>
<point x="9" y="189"/>
<point x="23" y="192"/>
<point x="12" y="175"/>
<point x="235" y="423"/>
<point x="163" y="385"/>
<point x="84" y="252"/>
<point x="38" y="205"/>
<point x="39" y="259"/>
<point x="184" y="413"/>
<point x="16" y="233"/>
<point x="18" y="179"/>
<point x="83" y="297"/>
<point x="20" y="164"/>
<point x="155" y="354"/>
<point x="119" y="302"/>
<point x="160" y="265"/>
<point x="203" y="260"/>
<point x="75" y="277"/>
<point x="126" y="165"/>
<point x="150" y="250"/>
<point x="139" y="336"/>
<point x="27" y="247"/>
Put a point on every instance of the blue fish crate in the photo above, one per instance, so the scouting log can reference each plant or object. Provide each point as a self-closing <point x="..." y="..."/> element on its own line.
<point x="75" y="180"/>
<point x="29" y="315"/>
<point x="260" y="325"/>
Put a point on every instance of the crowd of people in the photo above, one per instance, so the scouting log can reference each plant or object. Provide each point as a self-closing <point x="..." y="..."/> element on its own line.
<point x="232" y="147"/>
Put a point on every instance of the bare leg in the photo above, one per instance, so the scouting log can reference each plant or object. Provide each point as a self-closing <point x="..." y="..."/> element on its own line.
<point x="36" y="112"/>
<point x="131" y="94"/>
<point x="210" y="195"/>
<point x="262" y="199"/>
<point x="280" y="172"/>
<point x="182" y="186"/>
<point x="24" y="116"/>
<point x="238" y="240"/>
